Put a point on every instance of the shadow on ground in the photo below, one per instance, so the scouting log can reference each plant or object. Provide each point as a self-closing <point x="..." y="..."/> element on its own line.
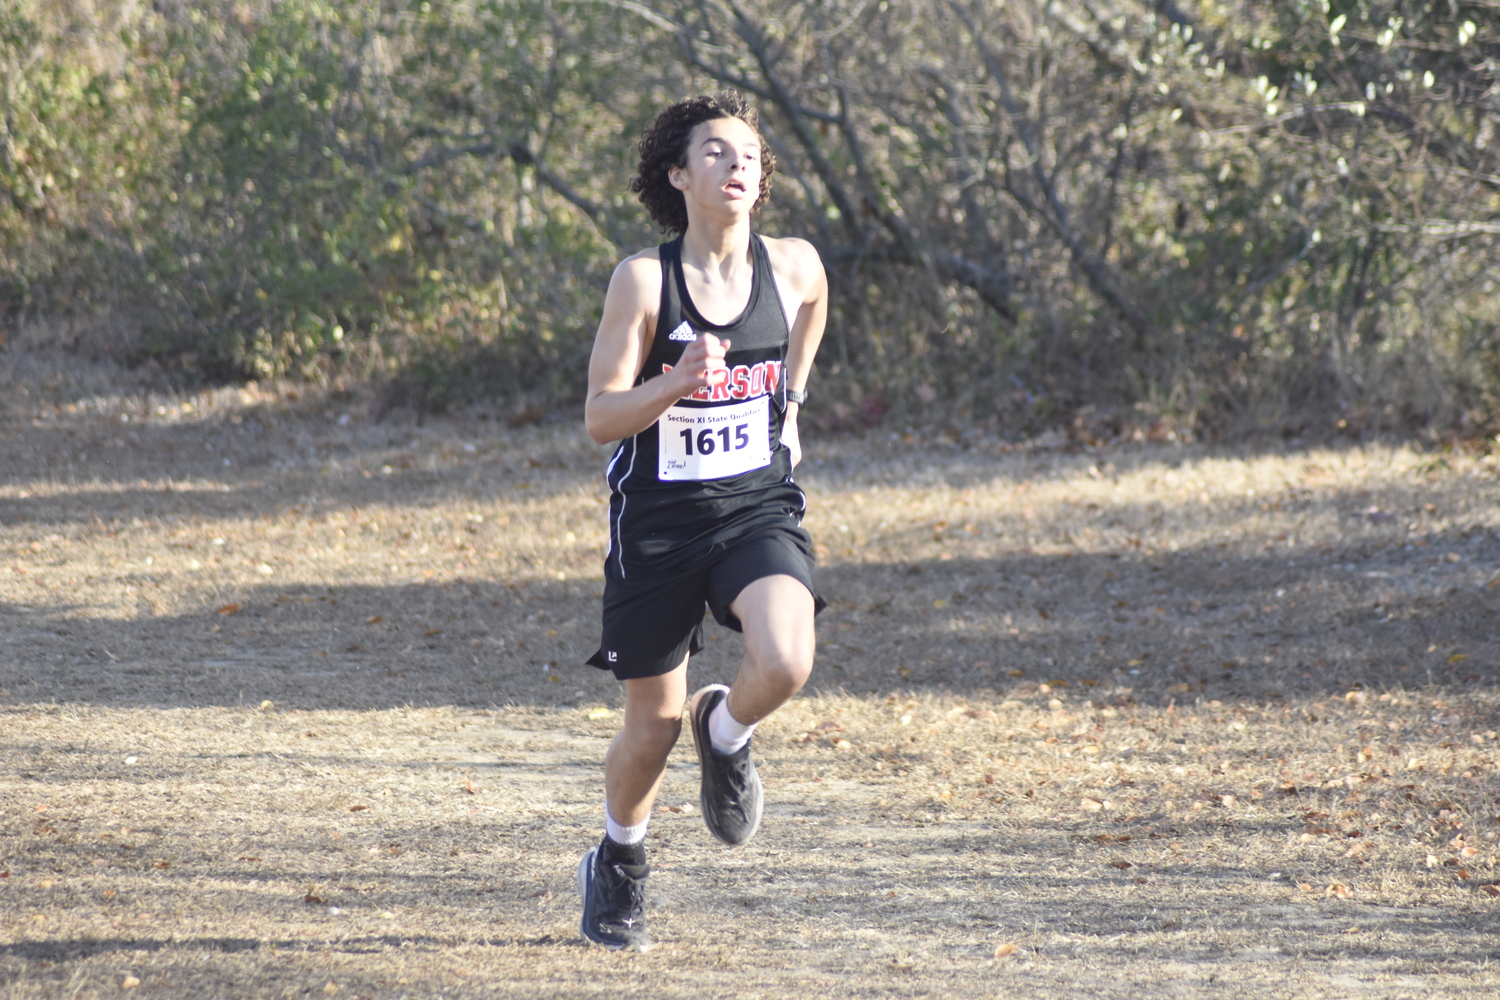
<point x="1183" y="625"/>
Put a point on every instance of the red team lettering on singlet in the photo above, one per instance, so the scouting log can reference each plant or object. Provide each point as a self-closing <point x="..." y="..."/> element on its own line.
<point x="739" y="382"/>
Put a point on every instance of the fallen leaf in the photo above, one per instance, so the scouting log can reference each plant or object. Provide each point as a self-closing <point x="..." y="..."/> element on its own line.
<point x="600" y="713"/>
<point x="230" y="609"/>
<point x="1355" y="698"/>
<point x="1015" y="673"/>
<point x="267" y="705"/>
<point x="331" y="988"/>
<point x="314" y="898"/>
<point x="1340" y="891"/>
<point x="1121" y="864"/>
<point x="1091" y="804"/>
<point x="1458" y="657"/>
<point x="1007" y="949"/>
<point x="373" y="619"/>
<point x="1305" y="886"/>
<point x="1490" y="890"/>
<point x="355" y="809"/>
<point x="469" y="786"/>
<point x="433" y="631"/>
<point x="130" y="982"/>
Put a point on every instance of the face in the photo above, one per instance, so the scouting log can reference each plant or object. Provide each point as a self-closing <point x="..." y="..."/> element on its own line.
<point x="723" y="167"/>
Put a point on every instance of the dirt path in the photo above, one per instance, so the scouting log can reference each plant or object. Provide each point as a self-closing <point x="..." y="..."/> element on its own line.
<point x="291" y="704"/>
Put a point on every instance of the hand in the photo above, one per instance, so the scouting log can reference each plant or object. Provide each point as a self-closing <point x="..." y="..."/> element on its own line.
<point x="701" y="364"/>
<point x="789" y="435"/>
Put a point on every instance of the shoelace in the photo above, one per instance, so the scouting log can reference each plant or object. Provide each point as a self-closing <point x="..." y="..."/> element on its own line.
<point x="738" y="773"/>
<point x="636" y="895"/>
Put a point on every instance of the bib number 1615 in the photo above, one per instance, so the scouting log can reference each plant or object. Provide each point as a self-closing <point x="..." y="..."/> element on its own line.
<point x="710" y="440"/>
<point x="713" y="442"/>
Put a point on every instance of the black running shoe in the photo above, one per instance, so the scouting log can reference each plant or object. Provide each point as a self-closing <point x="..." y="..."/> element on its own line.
<point x="730" y="793"/>
<point x="614" y="901"/>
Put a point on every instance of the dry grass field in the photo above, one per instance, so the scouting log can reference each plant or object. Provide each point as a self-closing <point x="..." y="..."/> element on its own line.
<point x="293" y="703"/>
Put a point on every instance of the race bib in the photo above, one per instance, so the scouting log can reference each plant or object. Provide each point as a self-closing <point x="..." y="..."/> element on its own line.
<point x="713" y="442"/>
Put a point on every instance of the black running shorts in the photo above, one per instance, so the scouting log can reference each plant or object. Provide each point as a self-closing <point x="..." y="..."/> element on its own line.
<point x="651" y="624"/>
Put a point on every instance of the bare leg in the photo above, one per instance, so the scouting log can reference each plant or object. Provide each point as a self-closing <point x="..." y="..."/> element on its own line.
<point x="637" y="758"/>
<point x="776" y="613"/>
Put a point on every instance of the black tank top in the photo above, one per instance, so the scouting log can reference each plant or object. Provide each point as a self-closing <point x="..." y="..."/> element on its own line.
<point x="713" y="469"/>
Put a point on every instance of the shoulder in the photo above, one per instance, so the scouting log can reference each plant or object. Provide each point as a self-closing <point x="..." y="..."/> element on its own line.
<point x="638" y="278"/>
<point x="644" y="266"/>
<point x="794" y="259"/>
<point x="796" y="263"/>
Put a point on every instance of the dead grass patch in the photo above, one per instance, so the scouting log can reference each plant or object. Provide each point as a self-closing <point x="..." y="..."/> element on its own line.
<point x="314" y="722"/>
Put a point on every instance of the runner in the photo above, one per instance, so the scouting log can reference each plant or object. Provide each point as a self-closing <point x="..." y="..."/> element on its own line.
<point x="698" y="371"/>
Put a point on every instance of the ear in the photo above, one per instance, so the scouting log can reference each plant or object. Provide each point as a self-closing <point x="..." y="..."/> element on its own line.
<point x="677" y="177"/>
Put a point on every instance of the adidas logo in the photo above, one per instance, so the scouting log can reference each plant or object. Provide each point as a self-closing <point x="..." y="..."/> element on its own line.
<point x="684" y="333"/>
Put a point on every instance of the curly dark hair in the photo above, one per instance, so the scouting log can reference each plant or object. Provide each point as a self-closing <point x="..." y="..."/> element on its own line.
<point x="664" y="144"/>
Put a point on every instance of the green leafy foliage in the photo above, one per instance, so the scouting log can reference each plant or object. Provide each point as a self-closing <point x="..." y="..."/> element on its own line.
<point x="1118" y="215"/>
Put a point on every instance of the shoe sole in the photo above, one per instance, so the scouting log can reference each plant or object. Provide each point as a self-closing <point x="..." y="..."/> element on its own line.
<point x="583" y="895"/>
<point x="702" y="744"/>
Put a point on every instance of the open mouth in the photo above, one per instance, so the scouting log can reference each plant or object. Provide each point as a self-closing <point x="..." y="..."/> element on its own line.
<point x="735" y="186"/>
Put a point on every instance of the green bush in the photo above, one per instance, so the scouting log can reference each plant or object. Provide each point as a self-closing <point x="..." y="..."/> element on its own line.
<point x="1201" y="217"/>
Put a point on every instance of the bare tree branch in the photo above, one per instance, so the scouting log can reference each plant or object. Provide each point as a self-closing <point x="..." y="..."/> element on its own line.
<point x="756" y="42"/>
<point x="1057" y="216"/>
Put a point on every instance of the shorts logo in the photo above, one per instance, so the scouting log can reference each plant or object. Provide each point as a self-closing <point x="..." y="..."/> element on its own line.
<point x="612" y="656"/>
<point x="683" y="333"/>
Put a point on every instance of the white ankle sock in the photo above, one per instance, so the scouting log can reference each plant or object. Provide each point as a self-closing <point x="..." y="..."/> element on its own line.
<point x="624" y="835"/>
<point x="725" y="734"/>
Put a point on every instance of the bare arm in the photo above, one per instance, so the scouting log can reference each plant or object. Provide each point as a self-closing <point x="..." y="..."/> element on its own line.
<point x="616" y="407"/>
<point x="799" y="260"/>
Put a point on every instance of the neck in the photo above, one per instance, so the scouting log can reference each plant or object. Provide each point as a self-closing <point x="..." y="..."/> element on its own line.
<point x="713" y="245"/>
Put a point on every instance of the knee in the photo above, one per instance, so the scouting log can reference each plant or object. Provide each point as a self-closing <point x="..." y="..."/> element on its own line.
<point x="654" y="734"/>
<point x="786" y="671"/>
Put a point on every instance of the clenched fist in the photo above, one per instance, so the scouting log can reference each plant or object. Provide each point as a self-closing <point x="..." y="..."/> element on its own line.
<point x="701" y="365"/>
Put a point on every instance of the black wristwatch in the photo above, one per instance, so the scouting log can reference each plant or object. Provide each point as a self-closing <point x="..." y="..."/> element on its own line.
<point x="793" y="396"/>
